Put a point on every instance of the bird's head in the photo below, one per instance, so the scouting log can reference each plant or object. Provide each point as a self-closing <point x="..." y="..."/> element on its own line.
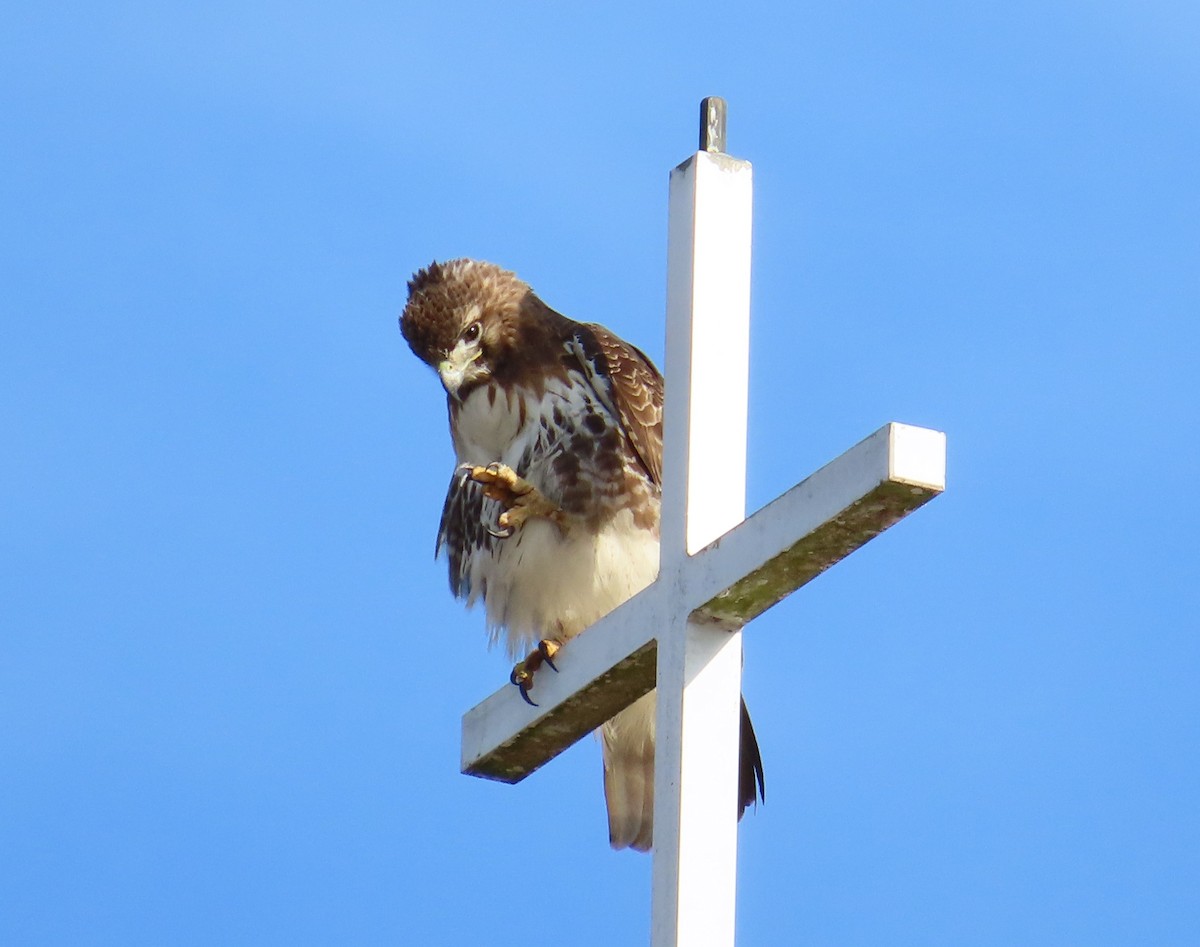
<point x="462" y="318"/>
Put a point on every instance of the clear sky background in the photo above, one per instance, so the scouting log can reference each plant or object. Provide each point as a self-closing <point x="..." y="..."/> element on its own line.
<point x="232" y="674"/>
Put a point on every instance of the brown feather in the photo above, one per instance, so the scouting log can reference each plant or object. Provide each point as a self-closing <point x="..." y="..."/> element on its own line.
<point x="637" y="393"/>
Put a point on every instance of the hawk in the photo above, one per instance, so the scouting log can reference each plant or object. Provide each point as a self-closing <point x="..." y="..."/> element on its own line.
<point x="552" y="516"/>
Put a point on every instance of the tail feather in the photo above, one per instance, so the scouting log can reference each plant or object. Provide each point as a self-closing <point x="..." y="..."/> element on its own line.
<point x="751" y="786"/>
<point x="628" y="748"/>
<point x="628" y="743"/>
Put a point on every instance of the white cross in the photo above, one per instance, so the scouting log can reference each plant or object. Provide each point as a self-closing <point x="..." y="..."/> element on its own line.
<point x="718" y="570"/>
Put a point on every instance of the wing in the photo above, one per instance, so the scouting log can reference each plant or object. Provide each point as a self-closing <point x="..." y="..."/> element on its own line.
<point x="630" y="387"/>
<point x="461" y="532"/>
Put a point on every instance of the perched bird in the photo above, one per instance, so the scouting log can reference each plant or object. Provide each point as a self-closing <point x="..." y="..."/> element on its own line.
<point x="552" y="516"/>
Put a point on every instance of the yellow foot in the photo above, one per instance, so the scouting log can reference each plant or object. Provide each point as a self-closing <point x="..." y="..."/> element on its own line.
<point x="522" y="674"/>
<point x="520" y="498"/>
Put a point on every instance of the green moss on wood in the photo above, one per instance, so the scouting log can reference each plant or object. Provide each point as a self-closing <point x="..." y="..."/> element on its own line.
<point x="811" y="556"/>
<point x="575" y="717"/>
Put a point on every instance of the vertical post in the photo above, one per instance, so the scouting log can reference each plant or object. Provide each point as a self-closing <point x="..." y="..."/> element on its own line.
<point x="704" y="495"/>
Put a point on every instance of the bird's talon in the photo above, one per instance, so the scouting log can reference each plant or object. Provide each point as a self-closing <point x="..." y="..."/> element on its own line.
<point x="497" y="534"/>
<point x="522" y="679"/>
<point x="503" y="528"/>
<point x="520" y="500"/>
<point x="548" y="648"/>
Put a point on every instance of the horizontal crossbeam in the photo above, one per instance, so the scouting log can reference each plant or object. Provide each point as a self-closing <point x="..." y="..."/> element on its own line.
<point x="758" y="563"/>
<point x="819" y="522"/>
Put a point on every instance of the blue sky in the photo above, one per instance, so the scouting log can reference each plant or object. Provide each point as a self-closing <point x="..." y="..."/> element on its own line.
<point x="231" y="674"/>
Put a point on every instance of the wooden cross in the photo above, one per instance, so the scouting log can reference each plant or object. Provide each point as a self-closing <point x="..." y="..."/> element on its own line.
<point x="718" y="570"/>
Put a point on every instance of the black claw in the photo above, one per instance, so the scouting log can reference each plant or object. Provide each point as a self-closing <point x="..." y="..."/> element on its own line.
<point x="496" y="533"/>
<point x="545" y="653"/>
<point x="503" y="532"/>
<point x="521" y="680"/>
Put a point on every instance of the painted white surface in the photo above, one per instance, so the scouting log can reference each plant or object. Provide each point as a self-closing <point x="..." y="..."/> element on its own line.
<point x="694" y="878"/>
<point x="918" y="456"/>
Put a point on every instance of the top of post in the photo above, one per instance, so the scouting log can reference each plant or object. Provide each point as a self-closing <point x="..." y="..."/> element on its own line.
<point x="712" y="124"/>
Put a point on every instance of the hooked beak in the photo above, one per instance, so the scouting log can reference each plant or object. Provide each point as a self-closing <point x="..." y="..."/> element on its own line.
<point x="455" y="367"/>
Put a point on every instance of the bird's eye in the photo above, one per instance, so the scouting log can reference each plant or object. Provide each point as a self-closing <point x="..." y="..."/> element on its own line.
<point x="472" y="332"/>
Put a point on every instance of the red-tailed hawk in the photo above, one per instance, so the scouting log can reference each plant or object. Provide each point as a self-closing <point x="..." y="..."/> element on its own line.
<point x="551" y="519"/>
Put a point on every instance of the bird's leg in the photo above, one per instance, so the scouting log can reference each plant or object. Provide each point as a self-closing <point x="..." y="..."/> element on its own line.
<point x="520" y="498"/>
<point x="522" y="673"/>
